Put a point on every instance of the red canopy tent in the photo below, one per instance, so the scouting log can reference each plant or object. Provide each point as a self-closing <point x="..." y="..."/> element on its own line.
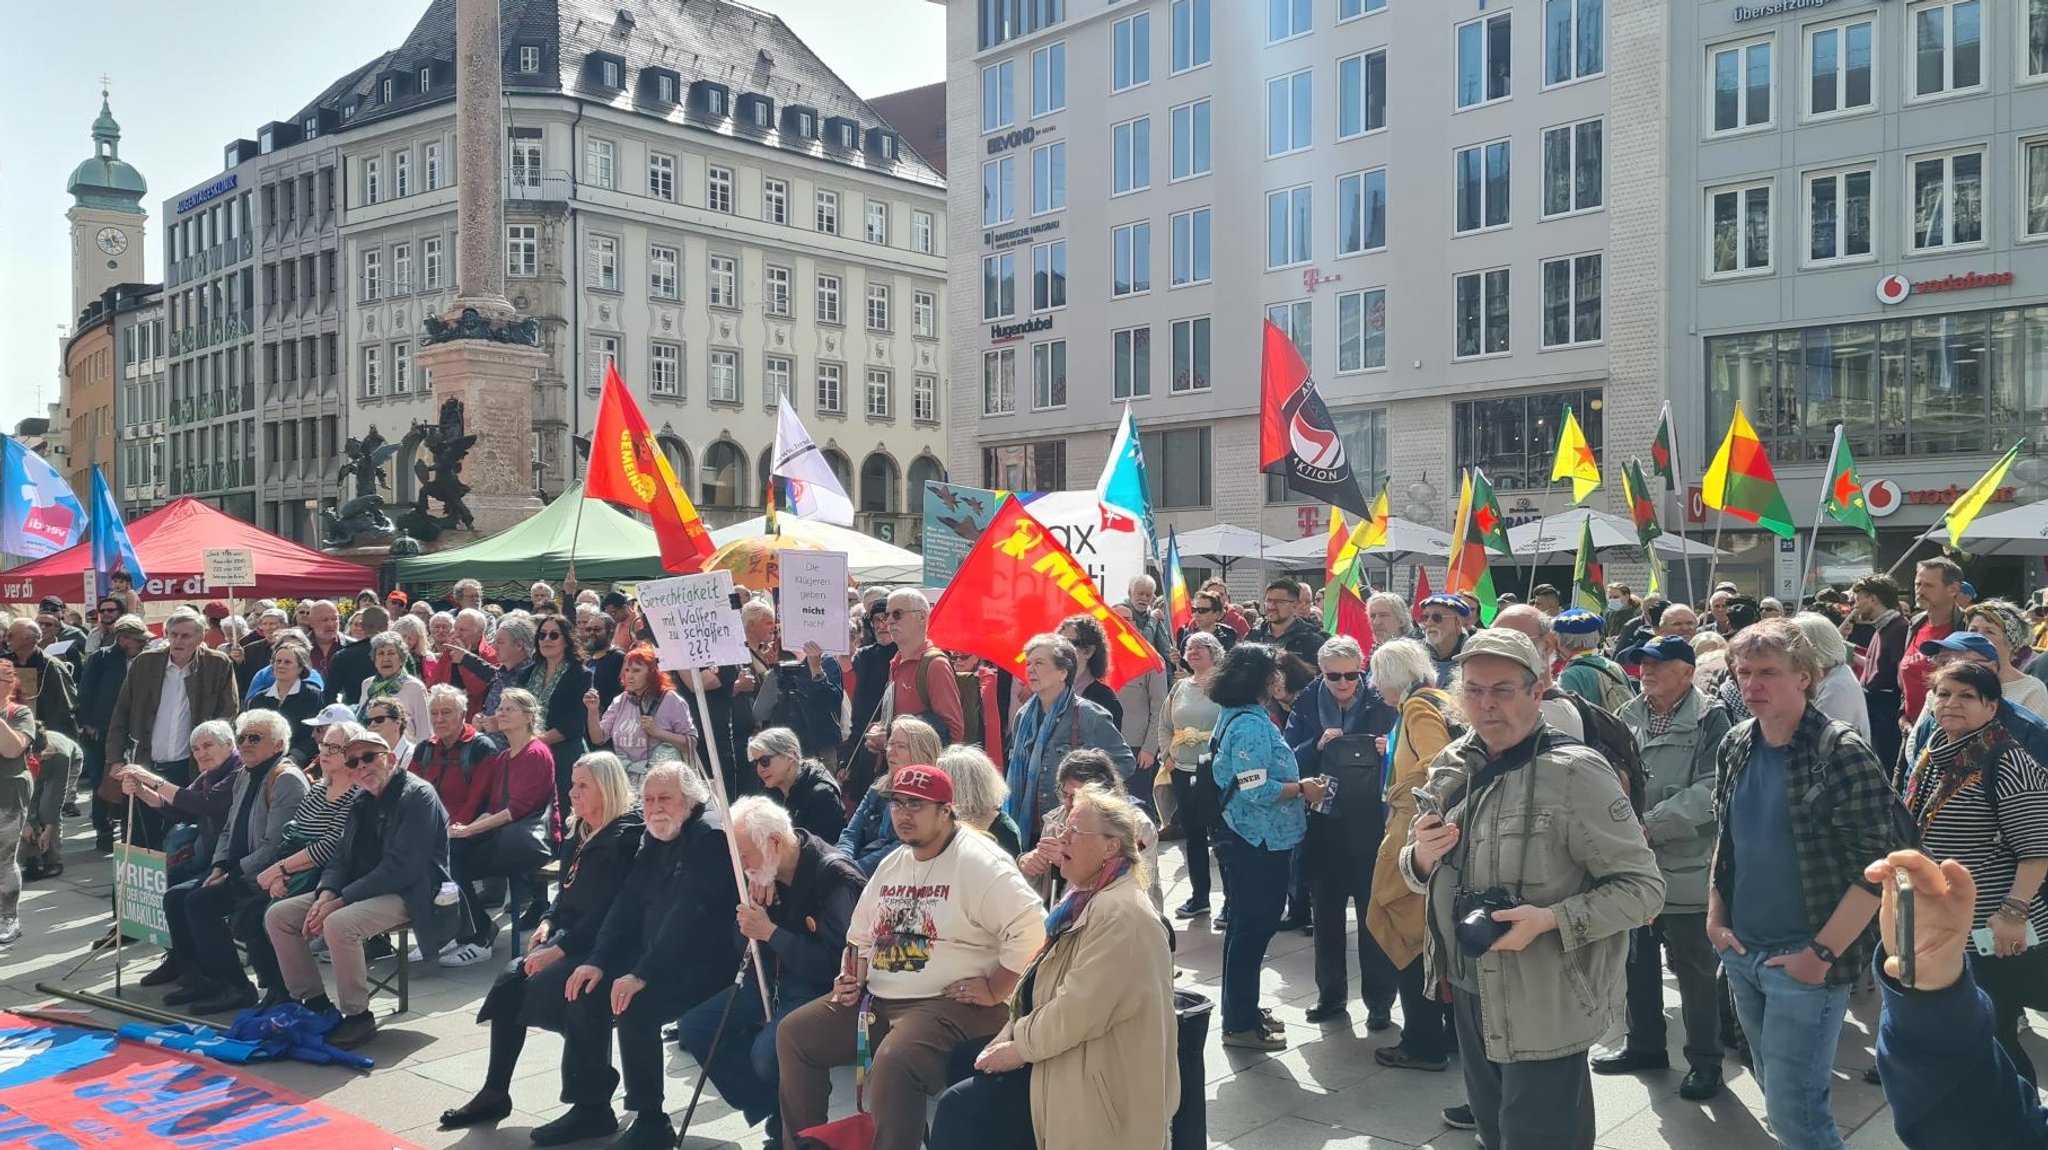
<point x="170" y="542"/>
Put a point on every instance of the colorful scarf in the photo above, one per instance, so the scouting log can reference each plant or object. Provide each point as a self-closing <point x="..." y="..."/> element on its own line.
<point x="1948" y="765"/>
<point x="1034" y="735"/>
<point x="1058" y="922"/>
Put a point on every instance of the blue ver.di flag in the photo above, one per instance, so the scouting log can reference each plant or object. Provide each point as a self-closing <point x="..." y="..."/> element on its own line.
<point x="111" y="550"/>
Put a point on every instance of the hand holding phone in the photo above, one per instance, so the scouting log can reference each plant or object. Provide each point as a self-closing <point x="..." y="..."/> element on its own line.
<point x="1426" y="803"/>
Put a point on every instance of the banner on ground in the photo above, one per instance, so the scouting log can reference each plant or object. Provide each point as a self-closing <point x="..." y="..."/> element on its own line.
<point x="139" y="879"/>
<point x="954" y="517"/>
<point x="814" y="601"/>
<point x="694" y="621"/>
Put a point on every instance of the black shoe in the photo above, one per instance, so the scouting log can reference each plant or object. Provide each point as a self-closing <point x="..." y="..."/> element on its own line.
<point x="1700" y="1084"/>
<point x="167" y="972"/>
<point x="576" y="1124"/>
<point x="1631" y="1061"/>
<point x="103" y="842"/>
<point x="194" y="990"/>
<point x="673" y="1032"/>
<point x="1379" y="1019"/>
<point x="1324" y="1011"/>
<point x="1222" y="918"/>
<point x="1460" y="1118"/>
<point x="488" y="1106"/>
<point x="1397" y="1056"/>
<point x="1191" y="909"/>
<point x="1294" y="922"/>
<point x="1869" y="1075"/>
<point x="354" y="1030"/>
<point x="319" y="1004"/>
<point x="69" y="810"/>
<point x="275" y="996"/>
<point x="377" y="947"/>
<point x="648" y="1132"/>
<point x="228" y="1000"/>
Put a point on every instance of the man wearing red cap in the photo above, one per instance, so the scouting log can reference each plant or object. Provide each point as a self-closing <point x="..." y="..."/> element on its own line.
<point x="942" y="932"/>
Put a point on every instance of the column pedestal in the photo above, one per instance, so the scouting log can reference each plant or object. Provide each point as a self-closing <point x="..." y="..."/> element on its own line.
<point x="495" y="383"/>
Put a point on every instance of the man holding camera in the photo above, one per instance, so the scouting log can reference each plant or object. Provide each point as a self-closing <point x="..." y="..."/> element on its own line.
<point x="1536" y="870"/>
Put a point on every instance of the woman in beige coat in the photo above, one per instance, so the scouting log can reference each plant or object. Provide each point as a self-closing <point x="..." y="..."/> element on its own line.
<point x="1087" y="1061"/>
<point x="1403" y="675"/>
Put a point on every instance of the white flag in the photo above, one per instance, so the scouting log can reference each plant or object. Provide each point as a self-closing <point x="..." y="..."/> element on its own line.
<point x="814" y="491"/>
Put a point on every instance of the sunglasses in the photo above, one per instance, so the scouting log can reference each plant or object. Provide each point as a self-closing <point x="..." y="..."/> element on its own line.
<point x="1343" y="676"/>
<point x="1205" y="610"/>
<point x="898" y="613"/>
<point x="758" y="763"/>
<point x="375" y="719"/>
<point x="250" y="739"/>
<point x="362" y="760"/>
<point x="1436" y="617"/>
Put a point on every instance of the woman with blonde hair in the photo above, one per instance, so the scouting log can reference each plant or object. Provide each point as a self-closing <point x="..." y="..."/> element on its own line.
<point x="978" y="795"/>
<point x="1841" y="693"/>
<point x="871" y="834"/>
<point x="1404" y="675"/>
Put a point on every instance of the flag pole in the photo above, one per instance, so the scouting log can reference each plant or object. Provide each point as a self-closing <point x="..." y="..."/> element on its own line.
<point x="1529" y="581"/>
<point x="1912" y="547"/>
<point x="1820" y="506"/>
<point x="1713" y="565"/>
<point x="739" y="873"/>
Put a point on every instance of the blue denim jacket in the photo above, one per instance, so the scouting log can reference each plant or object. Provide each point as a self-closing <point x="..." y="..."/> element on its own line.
<point x="1253" y="750"/>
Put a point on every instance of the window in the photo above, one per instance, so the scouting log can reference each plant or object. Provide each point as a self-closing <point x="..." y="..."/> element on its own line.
<point x="1571" y="301"/>
<point x="610" y="74"/>
<point x="1130" y="52"/>
<point x="1190" y="355"/>
<point x="1289" y="113"/>
<point x="723" y="384"/>
<point x="401" y="369"/>
<point x="401" y="269"/>
<point x="828" y="299"/>
<point x="1838" y="215"/>
<point x="1574" y="177"/>
<point x="1190" y="126"/>
<point x="924" y="315"/>
<point x="1296" y="321"/>
<point x="718" y="189"/>
<point x="433" y="263"/>
<point x="1351" y="9"/>
<point x="1482" y="187"/>
<point x="1362" y="330"/>
<point x="1482" y="313"/>
<point x="1049" y="79"/>
<point x="828" y="213"/>
<point x="1362" y="212"/>
<point x="999" y="382"/>
<point x="775" y="201"/>
<point x="1740" y="219"/>
<point x="1131" y="356"/>
<point x="664" y="276"/>
<point x="603" y="254"/>
<point x="1191" y="247"/>
<point x="722" y="288"/>
<point x="831" y="397"/>
<point x="1049" y="178"/>
<point x="1178" y="466"/>
<point x="1288" y="228"/>
<point x="1485" y="61"/>
<point x="1049" y="276"/>
<point x="598" y="166"/>
<point x="523" y="157"/>
<point x="1574" y="40"/>
<point x="1130" y="156"/>
<point x="776" y="376"/>
<point x="665" y="89"/>
<point x="1947" y="47"/>
<point x="1838" y="68"/>
<point x="665" y="370"/>
<point x="385" y="95"/>
<point x="775" y="283"/>
<point x="1286" y="19"/>
<point x="921" y="232"/>
<point x="878" y="222"/>
<point x="1049" y="375"/>
<point x="714" y="100"/>
<point x="373" y="179"/>
<point x="999" y="286"/>
<point x="522" y="250"/>
<point x="529" y="58"/>
<point x="878" y="307"/>
<point x="401" y="172"/>
<point x="1361" y="94"/>
<point x="1131" y="258"/>
<point x="2034" y="187"/>
<point x="1190" y="34"/>
<point x="373" y="275"/>
<point x="1741" y="79"/>
<point x="924" y="398"/>
<point x="1514" y="440"/>
<point x="661" y="176"/>
<point x="430" y="158"/>
<point x="373" y="372"/>
<point x="1948" y="200"/>
<point x="998" y="96"/>
<point x="878" y="399"/>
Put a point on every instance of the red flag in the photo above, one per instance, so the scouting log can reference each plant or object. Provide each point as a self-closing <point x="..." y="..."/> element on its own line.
<point x="1017" y="582"/>
<point x="627" y="468"/>
<point x="1352" y="619"/>
<point x="1297" y="437"/>
<point x="1421" y="592"/>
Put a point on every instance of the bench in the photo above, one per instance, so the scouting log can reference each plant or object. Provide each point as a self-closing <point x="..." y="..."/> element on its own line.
<point x="397" y="981"/>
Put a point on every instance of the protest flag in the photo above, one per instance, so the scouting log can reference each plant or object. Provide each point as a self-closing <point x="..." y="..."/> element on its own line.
<point x="628" y="468"/>
<point x="1297" y="438"/>
<point x="1740" y="480"/>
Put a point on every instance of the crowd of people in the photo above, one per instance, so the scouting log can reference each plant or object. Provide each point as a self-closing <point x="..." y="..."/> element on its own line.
<point x="946" y="871"/>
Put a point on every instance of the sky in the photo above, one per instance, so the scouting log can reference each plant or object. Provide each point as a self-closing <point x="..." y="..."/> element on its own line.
<point x="188" y="78"/>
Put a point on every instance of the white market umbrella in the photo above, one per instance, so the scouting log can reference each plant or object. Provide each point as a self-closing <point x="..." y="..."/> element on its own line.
<point x="2020" y="531"/>
<point x="1226" y="541"/>
<point x="1407" y="542"/>
<point x="868" y="559"/>
<point x="1555" y="538"/>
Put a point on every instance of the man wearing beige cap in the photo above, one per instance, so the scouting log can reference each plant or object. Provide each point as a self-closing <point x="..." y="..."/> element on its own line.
<point x="1536" y="870"/>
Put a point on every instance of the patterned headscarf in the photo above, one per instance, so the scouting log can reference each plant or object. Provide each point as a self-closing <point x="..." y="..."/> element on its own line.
<point x="2019" y="636"/>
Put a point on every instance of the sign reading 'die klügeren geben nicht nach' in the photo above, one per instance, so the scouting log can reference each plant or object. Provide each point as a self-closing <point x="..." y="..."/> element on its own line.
<point x="693" y="620"/>
<point x="814" y="601"/>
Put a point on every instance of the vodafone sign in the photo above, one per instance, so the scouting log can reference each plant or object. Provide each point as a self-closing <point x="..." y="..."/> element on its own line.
<point x="1896" y="289"/>
<point x="1882" y="497"/>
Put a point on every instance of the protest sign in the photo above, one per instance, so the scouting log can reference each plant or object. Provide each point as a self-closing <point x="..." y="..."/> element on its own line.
<point x="954" y="517"/>
<point x="139" y="880"/>
<point x="228" y="567"/>
<point x="814" y="601"/>
<point x="693" y="620"/>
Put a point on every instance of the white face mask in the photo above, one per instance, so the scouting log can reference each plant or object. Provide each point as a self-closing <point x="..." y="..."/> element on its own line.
<point x="1616" y="604"/>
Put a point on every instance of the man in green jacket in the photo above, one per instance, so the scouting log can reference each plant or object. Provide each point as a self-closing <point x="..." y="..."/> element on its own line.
<point x="1535" y="873"/>
<point x="1678" y="731"/>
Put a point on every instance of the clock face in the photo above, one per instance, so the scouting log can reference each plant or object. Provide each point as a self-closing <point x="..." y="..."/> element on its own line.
<point x="113" y="241"/>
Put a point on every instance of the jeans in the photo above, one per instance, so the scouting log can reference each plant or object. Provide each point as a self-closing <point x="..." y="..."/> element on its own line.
<point x="985" y="1112"/>
<point x="745" y="1070"/>
<point x="1258" y="894"/>
<point x="1683" y="937"/>
<point x="1792" y="1027"/>
<point x="1196" y="842"/>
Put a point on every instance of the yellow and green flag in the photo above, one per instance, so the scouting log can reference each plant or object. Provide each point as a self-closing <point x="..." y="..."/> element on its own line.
<point x="1964" y="511"/>
<point x="1575" y="460"/>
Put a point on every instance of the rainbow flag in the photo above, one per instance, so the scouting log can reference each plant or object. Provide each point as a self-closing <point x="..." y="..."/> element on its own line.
<point x="1180" y="608"/>
<point x="1741" y="483"/>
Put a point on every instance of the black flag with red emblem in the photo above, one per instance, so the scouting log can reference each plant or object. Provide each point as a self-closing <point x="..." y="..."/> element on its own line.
<point x="1297" y="437"/>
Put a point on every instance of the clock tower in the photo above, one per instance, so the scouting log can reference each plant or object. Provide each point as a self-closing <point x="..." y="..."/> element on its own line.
<point x="107" y="217"/>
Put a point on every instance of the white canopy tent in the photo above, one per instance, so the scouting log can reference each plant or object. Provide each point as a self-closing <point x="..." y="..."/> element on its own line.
<point x="1227" y="541"/>
<point x="1555" y="538"/>
<point x="1407" y="542"/>
<point x="868" y="559"/>
<point x="2020" y="531"/>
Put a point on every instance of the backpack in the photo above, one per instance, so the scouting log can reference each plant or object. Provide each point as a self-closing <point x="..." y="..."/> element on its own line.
<point x="947" y="736"/>
<point x="1614" y="688"/>
<point x="1610" y="736"/>
<point x="1206" y="799"/>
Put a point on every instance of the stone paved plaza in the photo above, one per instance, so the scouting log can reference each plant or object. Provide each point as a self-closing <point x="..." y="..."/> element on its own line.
<point x="1324" y="1093"/>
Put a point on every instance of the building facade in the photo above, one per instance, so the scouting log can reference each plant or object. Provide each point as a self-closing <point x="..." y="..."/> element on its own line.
<point x="89" y="401"/>
<point x="106" y="215"/>
<point x="141" y="401"/>
<point x="107" y="225"/>
<point x="209" y="306"/>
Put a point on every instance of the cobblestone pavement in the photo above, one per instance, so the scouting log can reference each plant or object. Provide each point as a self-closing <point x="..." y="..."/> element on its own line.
<point x="1323" y="1093"/>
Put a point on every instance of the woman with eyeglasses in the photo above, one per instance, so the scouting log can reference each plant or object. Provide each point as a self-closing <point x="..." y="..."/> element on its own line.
<point x="1051" y="724"/>
<point x="558" y="681"/>
<point x="509" y="828"/>
<point x="292" y="695"/>
<point x="870" y="835"/>
<point x="647" y="723"/>
<point x="394" y="679"/>
<point x="1184" y="730"/>
<point x="800" y="785"/>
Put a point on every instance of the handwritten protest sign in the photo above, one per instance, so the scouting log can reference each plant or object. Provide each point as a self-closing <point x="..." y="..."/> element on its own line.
<point x="693" y="620"/>
<point x="814" y="601"/>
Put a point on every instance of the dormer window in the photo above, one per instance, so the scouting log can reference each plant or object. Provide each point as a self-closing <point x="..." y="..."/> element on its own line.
<point x="888" y="145"/>
<point x="266" y="142"/>
<point x="843" y="133"/>
<point x="800" y="121"/>
<point x="714" y="101"/>
<point x="426" y="80"/>
<point x="757" y="110"/>
<point x="665" y="89"/>
<point x="312" y="128"/>
<point x="609" y="73"/>
<point x="233" y="154"/>
<point x="349" y="113"/>
<point x="529" y="59"/>
<point x="390" y="86"/>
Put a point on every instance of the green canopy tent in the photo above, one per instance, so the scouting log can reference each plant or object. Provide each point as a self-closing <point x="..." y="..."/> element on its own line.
<point x="609" y="547"/>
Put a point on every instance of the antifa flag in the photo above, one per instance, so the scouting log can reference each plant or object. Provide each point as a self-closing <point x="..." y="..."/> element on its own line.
<point x="1297" y="437"/>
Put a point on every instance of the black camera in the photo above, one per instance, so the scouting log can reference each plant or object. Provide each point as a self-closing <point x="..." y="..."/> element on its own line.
<point x="1477" y="929"/>
<point x="789" y="677"/>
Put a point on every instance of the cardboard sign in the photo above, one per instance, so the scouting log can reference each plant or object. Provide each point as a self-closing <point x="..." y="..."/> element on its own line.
<point x="228" y="567"/>
<point x="139" y="876"/>
<point x="694" y="621"/>
<point x="814" y="601"/>
<point x="92" y="590"/>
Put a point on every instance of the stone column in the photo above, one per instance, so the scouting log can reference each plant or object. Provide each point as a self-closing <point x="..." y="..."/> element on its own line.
<point x="480" y="158"/>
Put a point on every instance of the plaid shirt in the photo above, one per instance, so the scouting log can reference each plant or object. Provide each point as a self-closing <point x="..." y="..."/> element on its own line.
<point x="1844" y="816"/>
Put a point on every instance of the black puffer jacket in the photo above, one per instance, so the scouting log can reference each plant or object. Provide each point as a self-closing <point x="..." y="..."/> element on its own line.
<point x="597" y="872"/>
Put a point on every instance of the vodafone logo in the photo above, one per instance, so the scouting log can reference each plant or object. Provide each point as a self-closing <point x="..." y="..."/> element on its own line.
<point x="1891" y="291"/>
<point x="1882" y="497"/>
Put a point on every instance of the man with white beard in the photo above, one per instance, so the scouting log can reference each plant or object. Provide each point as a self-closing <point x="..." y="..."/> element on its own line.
<point x="801" y="895"/>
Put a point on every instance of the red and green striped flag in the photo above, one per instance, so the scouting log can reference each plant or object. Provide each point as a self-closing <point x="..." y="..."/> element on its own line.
<point x="1589" y="575"/>
<point x="1660" y="451"/>
<point x="1740" y="480"/>
<point x="1644" y="513"/>
<point x="1477" y="524"/>
<point x="1845" y="503"/>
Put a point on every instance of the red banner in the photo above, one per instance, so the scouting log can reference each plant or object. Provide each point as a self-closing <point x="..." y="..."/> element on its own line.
<point x="1017" y="582"/>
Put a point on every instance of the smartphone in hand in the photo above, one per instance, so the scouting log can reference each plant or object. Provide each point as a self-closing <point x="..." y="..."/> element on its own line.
<point x="1903" y="901"/>
<point x="1426" y="803"/>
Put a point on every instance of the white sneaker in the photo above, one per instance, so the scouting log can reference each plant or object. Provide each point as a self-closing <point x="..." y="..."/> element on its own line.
<point x="469" y="954"/>
<point x="10" y="928"/>
<point x="412" y="954"/>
